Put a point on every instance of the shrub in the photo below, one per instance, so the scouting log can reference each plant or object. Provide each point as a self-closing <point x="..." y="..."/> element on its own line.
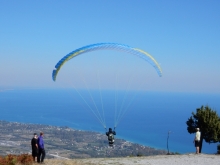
<point x="139" y="154"/>
<point x="2" y="161"/>
<point x="11" y="159"/>
<point x="23" y="159"/>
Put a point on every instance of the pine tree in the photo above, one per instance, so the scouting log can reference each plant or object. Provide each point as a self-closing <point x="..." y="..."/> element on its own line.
<point x="207" y="120"/>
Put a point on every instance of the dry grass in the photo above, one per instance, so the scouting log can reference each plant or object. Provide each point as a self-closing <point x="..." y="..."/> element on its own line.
<point x="65" y="162"/>
<point x="25" y="159"/>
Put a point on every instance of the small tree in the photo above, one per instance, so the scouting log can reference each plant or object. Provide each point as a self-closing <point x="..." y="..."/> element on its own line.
<point x="207" y="120"/>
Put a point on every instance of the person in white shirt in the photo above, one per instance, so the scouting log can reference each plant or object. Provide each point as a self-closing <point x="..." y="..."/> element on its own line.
<point x="197" y="140"/>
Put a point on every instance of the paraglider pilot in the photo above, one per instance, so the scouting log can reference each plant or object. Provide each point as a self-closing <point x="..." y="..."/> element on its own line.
<point x="110" y="135"/>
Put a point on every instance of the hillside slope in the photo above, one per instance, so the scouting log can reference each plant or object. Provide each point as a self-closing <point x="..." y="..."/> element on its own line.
<point x="15" y="138"/>
<point x="186" y="159"/>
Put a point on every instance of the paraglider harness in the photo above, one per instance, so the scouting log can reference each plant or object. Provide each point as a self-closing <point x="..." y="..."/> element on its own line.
<point x="110" y="135"/>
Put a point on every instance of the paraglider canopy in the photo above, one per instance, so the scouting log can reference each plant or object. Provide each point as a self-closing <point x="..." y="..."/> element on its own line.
<point x="99" y="46"/>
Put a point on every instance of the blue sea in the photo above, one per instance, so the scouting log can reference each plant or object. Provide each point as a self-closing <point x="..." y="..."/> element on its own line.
<point x="147" y="121"/>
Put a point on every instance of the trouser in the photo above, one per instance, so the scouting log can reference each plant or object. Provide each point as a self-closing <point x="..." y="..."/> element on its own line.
<point x="41" y="155"/>
<point x="34" y="153"/>
<point x="111" y="142"/>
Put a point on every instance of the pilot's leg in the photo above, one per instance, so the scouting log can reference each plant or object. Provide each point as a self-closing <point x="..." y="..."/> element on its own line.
<point x="111" y="143"/>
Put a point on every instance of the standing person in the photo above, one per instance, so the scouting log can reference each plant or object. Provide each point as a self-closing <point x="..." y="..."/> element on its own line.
<point x="34" y="146"/>
<point x="110" y="135"/>
<point x="41" y="150"/>
<point x="197" y="140"/>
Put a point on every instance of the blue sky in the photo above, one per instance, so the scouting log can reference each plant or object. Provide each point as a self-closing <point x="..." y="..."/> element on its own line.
<point x="183" y="36"/>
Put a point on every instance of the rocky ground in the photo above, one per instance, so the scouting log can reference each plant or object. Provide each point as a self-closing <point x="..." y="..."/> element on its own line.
<point x="189" y="159"/>
<point x="185" y="159"/>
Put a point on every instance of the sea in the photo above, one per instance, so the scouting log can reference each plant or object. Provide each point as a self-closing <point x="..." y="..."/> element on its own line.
<point x="154" y="119"/>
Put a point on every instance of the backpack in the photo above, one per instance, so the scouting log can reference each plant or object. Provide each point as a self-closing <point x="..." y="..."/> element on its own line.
<point x="110" y="137"/>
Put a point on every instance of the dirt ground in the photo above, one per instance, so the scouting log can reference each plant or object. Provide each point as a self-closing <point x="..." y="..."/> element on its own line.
<point x="186" y="159"/>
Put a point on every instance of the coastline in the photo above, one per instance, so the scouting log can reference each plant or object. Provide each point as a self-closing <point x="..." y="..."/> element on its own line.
<point x="148" y="127"/>
<point x="67" y="143"/>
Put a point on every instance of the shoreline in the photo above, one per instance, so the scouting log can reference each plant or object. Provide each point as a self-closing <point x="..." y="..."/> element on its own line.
<point x="118" y="137"/>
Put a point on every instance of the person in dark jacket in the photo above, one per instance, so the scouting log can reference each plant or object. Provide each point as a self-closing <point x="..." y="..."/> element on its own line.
<point x="34" y="147"/>
<point x="110" y="135"/>
<point x="41" y="150"/>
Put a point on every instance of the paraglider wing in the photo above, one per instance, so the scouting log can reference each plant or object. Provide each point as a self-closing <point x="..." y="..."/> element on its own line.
<point x="138" y="52"/>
